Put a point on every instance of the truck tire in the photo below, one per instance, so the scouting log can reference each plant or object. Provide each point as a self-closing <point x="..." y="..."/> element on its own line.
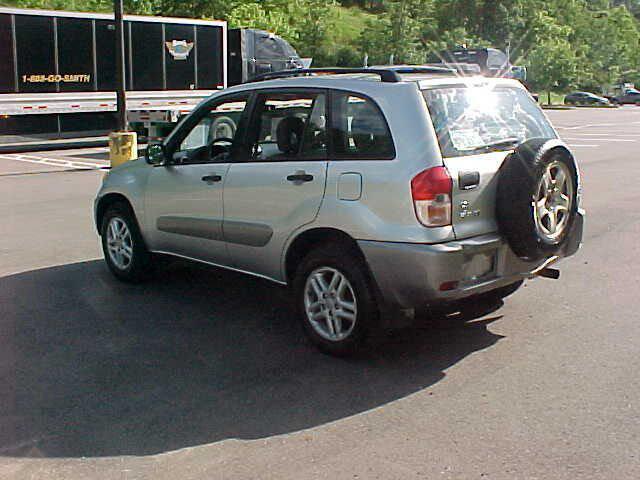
<point x="124" y="249"/>
<point x="536" y="198"/>
<point x="335" y="299"/>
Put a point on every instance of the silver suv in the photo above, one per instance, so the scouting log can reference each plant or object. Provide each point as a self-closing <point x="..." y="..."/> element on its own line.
<point x="370" y="193"/>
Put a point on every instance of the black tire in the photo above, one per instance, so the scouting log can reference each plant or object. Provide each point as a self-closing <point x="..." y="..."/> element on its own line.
<point x="519" y="180"/>
<point x="349" y="263"/>
<point x="139" y="267"/>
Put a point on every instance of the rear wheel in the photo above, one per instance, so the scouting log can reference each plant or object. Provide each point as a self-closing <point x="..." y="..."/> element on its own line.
<point x="335" y="299"/>
<point x="124" y="250"/>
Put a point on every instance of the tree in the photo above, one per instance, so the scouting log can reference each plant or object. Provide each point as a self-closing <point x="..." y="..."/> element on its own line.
<point x="590" y="43"/>
<point x="313" y="25"/>
<point x="398" y="32"/>
<point x="257" y="15"/>
<point x="553" y="65"/>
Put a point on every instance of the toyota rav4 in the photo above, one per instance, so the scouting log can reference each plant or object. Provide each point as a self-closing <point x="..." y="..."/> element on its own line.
<point x="370" y="193"/>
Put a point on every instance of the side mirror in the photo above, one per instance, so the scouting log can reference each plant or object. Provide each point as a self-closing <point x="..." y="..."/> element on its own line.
<point x="155" y="154"/>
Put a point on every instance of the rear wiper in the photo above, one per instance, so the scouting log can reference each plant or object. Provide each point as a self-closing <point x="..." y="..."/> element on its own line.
<point x="499" y="145"/>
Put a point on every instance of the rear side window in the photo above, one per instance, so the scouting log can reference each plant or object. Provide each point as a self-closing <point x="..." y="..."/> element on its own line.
<point x="359" y="129"/>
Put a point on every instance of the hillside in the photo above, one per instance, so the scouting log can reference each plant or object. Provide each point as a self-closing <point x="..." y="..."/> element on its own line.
<point x="348" y="23"/>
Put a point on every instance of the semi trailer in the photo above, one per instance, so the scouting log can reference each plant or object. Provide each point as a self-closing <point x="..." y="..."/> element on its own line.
<point x="59" y="71"/>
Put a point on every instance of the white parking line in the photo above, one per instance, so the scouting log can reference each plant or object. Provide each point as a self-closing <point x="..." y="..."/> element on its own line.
<point x="62" y="161"/>
<point x="578" y="127"/>
<point x="603" y="139"/>
<point x="632" y="135"/>
<point x="53" y="162"/>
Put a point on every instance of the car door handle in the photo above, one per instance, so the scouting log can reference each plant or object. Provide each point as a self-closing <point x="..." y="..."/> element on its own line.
<point x="300" y="177"/>
<point x="211" y="178"/>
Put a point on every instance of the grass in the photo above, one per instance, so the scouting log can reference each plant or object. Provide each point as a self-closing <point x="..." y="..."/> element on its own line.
<point x="556" y="98"/>
<point x="346" y="28"/>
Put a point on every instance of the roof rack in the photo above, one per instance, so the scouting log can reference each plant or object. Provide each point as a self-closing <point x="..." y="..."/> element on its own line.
<point x="387" y="74"/>
<point x="408" y="69"/>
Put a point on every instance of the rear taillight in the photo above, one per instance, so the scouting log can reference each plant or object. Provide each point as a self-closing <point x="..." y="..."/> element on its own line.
<point x="431" y="192"/>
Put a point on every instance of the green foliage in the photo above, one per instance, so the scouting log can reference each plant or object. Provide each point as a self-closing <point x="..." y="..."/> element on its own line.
<point x="398" y="33"/>
<point x="590" y="44"/>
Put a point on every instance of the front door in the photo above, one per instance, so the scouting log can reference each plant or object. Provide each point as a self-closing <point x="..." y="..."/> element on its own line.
<point x="184" y="209"/>
<point x="280" y="186"/>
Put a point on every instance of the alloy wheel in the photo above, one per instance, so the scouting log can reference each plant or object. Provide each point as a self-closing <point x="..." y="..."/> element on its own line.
<point x="330" y="303"/>
<point x="552" y="203"/>
<point x="119" y="243"/>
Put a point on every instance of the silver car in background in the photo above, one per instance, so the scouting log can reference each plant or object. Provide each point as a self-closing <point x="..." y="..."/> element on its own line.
<point x="370" y="193"/>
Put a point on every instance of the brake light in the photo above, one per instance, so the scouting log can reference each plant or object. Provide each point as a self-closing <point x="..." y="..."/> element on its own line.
<point x="431" y="192"/>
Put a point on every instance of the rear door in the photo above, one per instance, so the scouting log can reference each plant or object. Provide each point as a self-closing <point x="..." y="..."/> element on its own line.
<point x="280" y="185"/>
<point x="477" y="128"/>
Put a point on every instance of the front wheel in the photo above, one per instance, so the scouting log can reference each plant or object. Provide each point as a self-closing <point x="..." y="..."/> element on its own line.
<point x="335" y="299"/>
<point x="124" y="250"/>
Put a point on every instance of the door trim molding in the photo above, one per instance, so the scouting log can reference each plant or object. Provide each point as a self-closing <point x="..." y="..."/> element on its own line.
<point x="247" y="233"/>
<point x="209" y="228"/>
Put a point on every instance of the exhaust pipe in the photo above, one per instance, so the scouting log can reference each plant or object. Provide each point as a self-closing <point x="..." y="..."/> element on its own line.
<point x="545" y="271"/>
<point x="552" y="273"/>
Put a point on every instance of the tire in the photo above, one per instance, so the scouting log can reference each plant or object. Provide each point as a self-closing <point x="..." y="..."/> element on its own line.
<point x="535" y="209"/>
<point x="133" y="262"/>
<point x="335" y="335"/>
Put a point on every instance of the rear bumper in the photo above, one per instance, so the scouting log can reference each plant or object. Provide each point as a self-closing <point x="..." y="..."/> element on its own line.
<point x="413" y="275"/>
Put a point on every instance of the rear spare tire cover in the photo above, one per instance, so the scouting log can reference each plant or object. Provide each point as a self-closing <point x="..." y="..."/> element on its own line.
<point x="536" y="199"/>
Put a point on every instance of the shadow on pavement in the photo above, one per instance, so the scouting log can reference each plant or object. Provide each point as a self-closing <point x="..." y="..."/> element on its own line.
<point x="93" y="367"/>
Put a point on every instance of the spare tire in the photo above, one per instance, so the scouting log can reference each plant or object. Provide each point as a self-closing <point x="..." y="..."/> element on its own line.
<point x="536" y="199"/>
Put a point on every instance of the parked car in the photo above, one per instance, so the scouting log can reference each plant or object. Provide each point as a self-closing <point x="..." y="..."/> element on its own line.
<point x="369" y="193"/>
<point x="630" y="96"/>
<point x="585" y="98"/>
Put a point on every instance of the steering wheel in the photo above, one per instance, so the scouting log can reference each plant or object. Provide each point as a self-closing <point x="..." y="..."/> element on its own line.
<point x="215" y="149"/>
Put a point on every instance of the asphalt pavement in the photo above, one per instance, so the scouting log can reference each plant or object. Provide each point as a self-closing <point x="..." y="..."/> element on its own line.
<point x="204" y="374"/>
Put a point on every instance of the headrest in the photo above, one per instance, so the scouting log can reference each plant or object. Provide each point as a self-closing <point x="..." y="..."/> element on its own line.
<point x="289" y="134"/>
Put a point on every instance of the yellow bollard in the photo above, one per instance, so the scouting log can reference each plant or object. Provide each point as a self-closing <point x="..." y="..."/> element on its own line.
<point x="123" y="147"/>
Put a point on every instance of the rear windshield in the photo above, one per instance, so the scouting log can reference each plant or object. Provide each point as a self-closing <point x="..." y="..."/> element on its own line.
<point x="471" y="120"/>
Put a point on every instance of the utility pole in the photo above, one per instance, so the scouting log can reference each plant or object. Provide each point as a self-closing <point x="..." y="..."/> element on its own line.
<point x="123" y="144"/>
<point x="120" y="68"/>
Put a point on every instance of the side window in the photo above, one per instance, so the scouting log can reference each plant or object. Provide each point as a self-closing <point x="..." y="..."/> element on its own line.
<point x="359" y="129"/>
<point x="211" y="139"/>
<point x="289" y="126"/>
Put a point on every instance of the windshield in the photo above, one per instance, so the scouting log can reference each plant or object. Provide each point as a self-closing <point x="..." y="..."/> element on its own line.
<point x="470" y="120"/>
